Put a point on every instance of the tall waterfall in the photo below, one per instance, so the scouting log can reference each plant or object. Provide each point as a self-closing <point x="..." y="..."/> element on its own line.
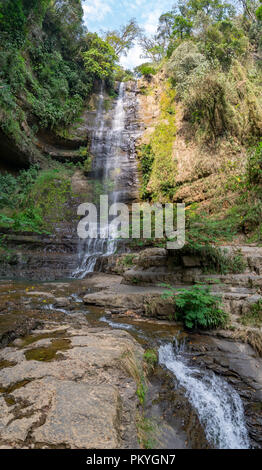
<point x="219" y="407"/>
<point x="114" y="169"/>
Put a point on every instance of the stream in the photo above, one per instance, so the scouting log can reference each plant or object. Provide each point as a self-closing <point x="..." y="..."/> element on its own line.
<point x="193" y="407"/>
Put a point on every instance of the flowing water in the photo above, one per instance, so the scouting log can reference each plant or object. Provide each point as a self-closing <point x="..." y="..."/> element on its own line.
<point x="219" y="407"/>
<point x="114" y="170"/>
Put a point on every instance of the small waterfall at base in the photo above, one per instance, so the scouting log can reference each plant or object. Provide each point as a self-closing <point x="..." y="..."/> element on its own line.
<point x="114" y="169"/>
<point x="219" y="407"/>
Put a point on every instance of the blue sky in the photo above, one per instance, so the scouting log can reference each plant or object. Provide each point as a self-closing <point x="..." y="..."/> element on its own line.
<point x="101" y="15"/>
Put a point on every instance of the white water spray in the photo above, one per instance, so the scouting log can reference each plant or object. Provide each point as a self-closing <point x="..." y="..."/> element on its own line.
<point x="108" y="141"/>
<point x="219" y="407"/>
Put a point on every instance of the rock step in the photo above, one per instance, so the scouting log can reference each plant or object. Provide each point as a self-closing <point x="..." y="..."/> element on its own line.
<point x="191" y="276"/>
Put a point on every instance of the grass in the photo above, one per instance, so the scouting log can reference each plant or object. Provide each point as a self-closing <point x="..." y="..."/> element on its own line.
<point x="151" y="359"/>
<point x="146" y="431"/>
<point x="254" y="317"/>
<point x="251" y="337"/>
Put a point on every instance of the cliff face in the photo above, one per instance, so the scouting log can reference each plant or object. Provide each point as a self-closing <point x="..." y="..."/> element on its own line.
<point x="201" y="172"/>
<point x="217" y="177"/>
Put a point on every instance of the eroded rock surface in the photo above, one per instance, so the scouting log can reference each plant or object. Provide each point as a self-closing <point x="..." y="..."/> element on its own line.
<point x="79" y="396"/>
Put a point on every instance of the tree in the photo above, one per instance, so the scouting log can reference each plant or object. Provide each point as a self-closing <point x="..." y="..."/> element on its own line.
<point x="182" y="26"/>
<point x="123" y="39"/>
<point x="249" y="8"/>
<point x="99" y="58"/>
<point x="216" y="10"/>
<point x="152" y="48"/>
<point x="165" y="28"/>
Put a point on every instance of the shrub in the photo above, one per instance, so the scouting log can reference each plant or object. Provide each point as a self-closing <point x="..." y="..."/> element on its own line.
<point x="146" y="70"/>
<point x="196" y="307"/>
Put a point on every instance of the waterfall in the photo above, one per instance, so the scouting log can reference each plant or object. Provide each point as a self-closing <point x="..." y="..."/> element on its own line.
<point x="219" y="407"/>
<point x="112" y="147"/>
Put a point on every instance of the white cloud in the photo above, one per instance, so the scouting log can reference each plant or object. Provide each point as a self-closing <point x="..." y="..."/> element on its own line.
<point x="133" y="58"/>
<point x="96" y="10"/>
<point x="151" y="23"/>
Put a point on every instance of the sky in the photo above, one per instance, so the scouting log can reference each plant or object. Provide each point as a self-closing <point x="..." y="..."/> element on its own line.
<point x="103" y="15"/>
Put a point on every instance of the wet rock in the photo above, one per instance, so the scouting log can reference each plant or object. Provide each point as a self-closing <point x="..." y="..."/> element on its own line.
<point x="61" y="302"/>
<point x="238" y="363"/>
<point x="16" y="328"/>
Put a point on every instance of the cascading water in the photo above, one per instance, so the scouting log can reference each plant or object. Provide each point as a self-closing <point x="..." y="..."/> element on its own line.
<point x="114" y="169"/>
<point x="219" y="407"/>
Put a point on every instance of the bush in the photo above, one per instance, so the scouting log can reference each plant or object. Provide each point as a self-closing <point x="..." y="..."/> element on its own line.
<point x="196" y="307"/>
<point x="146" y="70"/>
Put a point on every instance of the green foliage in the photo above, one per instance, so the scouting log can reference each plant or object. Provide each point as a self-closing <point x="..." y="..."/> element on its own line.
<point x="28" y="220"/>
<point x="146" y="430"/>
<point x="186" y="65"/>
<point x="182" y="26"/>
<point x="254" y="168"/>
<point x="100" y="57"/>
<point x="223" y="42"/>
<point x="146" y="158"/>
<point x="123" y="40"/>
<point x="196" y="307"/>
<point x="209" y="51"/>
<point x="141" y="392"/>
<point x="151" y="358"/>
<point x="42" y="71"/>
<point x="13" y="19"/>
<point x="8" y="186"/>
<point x="213" y="259"/>
<point x="146" y="70"/>
<point x="35" y="200"/>
<point x="259" y="13"/>
<point x="161" y="185"/>
<point x="128" y="260"/>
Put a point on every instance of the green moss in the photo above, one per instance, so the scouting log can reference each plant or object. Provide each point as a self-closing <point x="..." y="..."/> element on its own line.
<point x="157" y="164"/>
<point x="49" y="353"/>
<point x="31" y="339"/>
<point x="15" y="386"/>
<point x="9" y="401"/>
<point x="5" y="364"/>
